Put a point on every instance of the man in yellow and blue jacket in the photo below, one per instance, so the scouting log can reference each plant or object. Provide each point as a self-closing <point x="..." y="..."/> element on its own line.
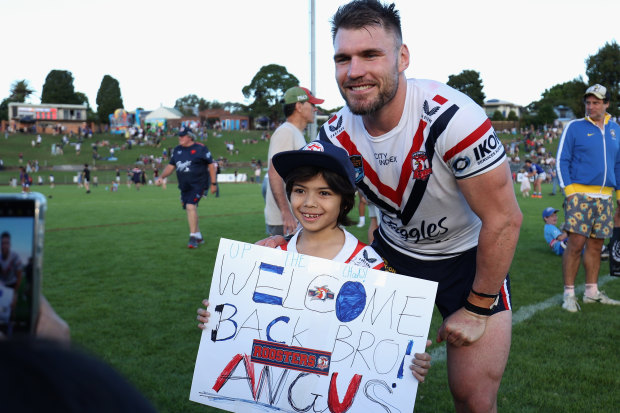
<point x="588" y="167"/>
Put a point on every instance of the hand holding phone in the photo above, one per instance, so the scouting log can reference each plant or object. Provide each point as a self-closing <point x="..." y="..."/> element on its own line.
<point x="21" y="236"/>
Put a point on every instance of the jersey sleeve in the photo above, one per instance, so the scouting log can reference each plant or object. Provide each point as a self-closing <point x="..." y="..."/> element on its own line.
<point x="470" y="145"/>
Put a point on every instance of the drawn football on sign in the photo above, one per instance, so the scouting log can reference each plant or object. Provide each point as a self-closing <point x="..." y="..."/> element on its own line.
<point x="351" y="301"/>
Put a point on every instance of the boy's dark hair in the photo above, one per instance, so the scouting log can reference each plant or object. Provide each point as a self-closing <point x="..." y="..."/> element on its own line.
<point x="361" y="13"/>
<point x="336" y="183"/>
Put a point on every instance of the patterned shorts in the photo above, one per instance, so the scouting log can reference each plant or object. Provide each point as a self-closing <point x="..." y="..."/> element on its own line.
<point x="590" y="217"/>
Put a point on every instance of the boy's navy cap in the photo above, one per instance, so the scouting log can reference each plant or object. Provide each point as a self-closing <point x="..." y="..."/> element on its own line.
<point x="548" y="212"/>
<point x="317" y="153"/>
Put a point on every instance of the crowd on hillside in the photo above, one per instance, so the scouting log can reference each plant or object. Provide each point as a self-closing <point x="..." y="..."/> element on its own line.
<point x="532" y="145"/>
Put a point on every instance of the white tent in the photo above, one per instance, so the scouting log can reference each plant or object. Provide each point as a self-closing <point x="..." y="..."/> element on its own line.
<point x="163" y="113"/>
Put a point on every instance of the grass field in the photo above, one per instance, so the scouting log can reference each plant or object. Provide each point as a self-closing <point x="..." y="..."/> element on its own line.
<point x="116" y="267"/>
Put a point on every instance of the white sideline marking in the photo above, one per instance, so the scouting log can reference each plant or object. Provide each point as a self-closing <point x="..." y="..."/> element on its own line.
<point x="523" y="313"/>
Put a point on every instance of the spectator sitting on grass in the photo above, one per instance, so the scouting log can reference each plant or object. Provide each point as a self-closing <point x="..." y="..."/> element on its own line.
<point x="553" y="236"/>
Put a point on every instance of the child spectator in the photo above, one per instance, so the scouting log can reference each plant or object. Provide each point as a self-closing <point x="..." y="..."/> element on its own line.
<point x="320" y="184"/>
<point x="524" y="179"/>
<point x="554" y="237"/>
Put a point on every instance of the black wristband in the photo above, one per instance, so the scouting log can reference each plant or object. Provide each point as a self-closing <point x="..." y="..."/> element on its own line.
<point x="213" y="183"/>
<point x="483" y="295"/>
<point x="478" y="310"/>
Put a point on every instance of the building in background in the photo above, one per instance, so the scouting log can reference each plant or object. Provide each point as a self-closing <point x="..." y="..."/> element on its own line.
<point x="47" y="117"/>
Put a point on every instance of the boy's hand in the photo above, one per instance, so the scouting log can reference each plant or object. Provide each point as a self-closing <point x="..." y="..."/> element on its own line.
<point x="272" y="242"/>
<point x="420" y="364"/>
<point x="203" y="315"/>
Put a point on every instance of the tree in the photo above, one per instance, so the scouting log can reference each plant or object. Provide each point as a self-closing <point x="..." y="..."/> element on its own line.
<point x="497" y="115"/>
<point x="108" y="98"/>
<point x="186" y="104"/>
<point x="568" y="94"/>
<point x="267" y="88"/>
<point x="512" y="116"/>
<point x="546" y="115"/>
<point x="58" y="88"/>
<point x="20" y="91"/>
<point x="468" y="82"/>
<point x="604" y="68"/>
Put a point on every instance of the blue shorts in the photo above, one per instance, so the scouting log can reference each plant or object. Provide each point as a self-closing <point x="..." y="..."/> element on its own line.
<point x="192" y="196"/>
<point x="455" y="276"/>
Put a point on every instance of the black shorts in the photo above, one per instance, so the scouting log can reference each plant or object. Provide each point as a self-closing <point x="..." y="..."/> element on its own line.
<point x="192" y="196"/>
<point x="455" y="276"/>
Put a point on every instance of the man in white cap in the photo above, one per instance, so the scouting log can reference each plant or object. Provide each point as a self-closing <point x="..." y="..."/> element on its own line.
<point x="588" y="165"/>
<point x="299" y="109"/>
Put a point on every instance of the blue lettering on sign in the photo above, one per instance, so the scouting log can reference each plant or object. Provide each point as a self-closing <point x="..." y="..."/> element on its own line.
<point x="281" y="318"/>
<point x="351" y="301"/>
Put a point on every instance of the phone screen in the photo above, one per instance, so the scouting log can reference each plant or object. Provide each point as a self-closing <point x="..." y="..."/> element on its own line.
<point x="21" y="236"/>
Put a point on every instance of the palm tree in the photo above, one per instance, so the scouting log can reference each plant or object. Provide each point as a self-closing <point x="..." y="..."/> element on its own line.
<point x="20" y="91"/>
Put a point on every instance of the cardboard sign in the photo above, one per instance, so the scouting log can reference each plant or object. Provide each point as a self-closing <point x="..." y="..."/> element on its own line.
<point x="290" y="332"/>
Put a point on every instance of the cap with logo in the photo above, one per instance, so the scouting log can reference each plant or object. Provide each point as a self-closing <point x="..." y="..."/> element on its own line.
<point x="185" y="131"/>
<point x="300" y="94"/>
<point x="316" y="153"/>
<point x="547" y="212"/>
<point x="598" y="91"/>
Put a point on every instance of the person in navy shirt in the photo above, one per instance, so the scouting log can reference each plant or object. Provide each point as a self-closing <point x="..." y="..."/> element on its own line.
<point x="539" y="175"/>
<point x="195" y="167"/>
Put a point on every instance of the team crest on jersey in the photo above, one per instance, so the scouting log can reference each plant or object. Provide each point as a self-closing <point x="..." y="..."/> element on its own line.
<point x="358" y="166"/>
<point x="613" y="134"/>
<point x="421" y="166"/>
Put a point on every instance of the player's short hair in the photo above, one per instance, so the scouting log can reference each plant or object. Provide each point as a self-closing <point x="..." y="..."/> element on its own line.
<point x="5" y="234"/>
<point x="361" y="13"/>
<point x="336" y="182"/>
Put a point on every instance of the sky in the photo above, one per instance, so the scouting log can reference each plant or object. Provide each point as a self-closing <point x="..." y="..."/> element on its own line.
<point x="21" y="231"/>
<point x="160" y="50"/>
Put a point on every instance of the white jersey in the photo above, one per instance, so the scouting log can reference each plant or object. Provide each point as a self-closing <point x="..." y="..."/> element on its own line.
<point x="411" y="172"/>
<point x="352" y="252"/>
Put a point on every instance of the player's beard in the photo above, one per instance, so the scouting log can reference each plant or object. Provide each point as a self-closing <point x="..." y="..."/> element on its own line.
<point x="388" y="86"/>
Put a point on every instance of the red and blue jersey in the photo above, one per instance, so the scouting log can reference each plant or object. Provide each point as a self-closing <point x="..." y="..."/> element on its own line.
<point x="411" y="172"/>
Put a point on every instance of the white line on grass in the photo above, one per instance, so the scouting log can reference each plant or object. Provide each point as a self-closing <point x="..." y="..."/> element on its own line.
<point x="523" y="313"/>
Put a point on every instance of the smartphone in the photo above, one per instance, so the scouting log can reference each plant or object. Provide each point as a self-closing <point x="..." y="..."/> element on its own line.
<point x="22" y="218"/>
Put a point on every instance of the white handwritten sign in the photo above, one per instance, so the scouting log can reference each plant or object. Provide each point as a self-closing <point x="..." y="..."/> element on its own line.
<point x="294" y="333"/>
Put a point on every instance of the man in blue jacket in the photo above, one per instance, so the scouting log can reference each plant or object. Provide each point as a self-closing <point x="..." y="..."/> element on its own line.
<point x="588" y="165"/>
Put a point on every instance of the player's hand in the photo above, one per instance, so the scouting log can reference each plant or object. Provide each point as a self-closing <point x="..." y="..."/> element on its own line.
<point x="273" y="241"/>
<point x="203" y="315"/>
<point x="213" y="188"/>
<point x="462" y="328"/>
<point x="420" y="364"/>
<point x="289" y="223"/>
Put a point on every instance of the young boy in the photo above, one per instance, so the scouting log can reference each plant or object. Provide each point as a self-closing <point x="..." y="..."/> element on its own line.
<point x="554" y="237"/>
<point x="320" y="185"/>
